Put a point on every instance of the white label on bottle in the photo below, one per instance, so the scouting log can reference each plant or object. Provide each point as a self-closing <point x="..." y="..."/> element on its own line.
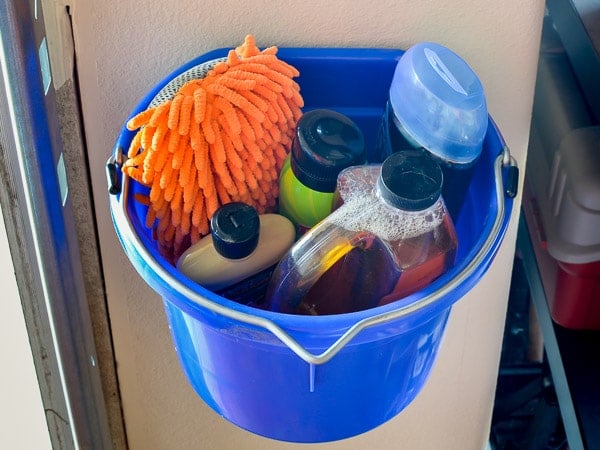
<point x="438" y="65"/>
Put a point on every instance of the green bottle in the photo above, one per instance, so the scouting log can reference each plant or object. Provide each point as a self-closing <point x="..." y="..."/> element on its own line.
<point x="326" y="142"/>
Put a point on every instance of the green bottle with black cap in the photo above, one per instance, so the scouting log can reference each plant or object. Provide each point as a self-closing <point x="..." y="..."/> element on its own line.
<point x="325" y="143"/>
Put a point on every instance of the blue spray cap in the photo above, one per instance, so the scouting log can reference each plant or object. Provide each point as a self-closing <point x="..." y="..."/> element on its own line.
<point x="439" y="101"/>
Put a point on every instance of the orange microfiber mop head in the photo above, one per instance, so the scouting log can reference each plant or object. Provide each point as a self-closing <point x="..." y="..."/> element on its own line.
<point x="222" y="138"/>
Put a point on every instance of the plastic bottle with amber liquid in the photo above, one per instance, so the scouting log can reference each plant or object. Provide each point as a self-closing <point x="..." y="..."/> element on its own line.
<point x="389" y="236"/>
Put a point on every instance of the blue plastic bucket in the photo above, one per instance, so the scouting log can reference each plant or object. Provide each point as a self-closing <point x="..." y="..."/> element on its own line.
<point x="306" y="378"/>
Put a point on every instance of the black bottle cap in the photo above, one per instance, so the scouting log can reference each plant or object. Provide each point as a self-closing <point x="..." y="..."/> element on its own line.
<point x="410" y="180"/>
<point x="235" y="228"/>
<point x="326" y="142"/>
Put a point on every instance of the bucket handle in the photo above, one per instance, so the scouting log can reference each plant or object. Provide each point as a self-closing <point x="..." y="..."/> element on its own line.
<point x="503" y="187"/>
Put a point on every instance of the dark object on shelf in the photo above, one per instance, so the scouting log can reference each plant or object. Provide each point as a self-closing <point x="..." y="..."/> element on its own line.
<point x="526" y="414"/>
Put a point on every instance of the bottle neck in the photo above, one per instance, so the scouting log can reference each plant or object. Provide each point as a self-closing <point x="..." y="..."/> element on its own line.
<point x="394" y="121"/>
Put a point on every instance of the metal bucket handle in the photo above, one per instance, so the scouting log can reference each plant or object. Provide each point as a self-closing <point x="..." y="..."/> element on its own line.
<point x="508" y="188"/>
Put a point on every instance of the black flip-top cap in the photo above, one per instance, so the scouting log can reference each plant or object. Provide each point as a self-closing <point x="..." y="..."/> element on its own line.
<point x="235" y="228"/>
<point x="326" y="142"/>
<point x="410" y="180"/>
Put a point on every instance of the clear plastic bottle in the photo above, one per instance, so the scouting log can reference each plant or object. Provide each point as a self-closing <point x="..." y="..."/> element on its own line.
<point x="437" y="103"/>
<point x="326" y="142"/>
<point x="236" y="260"/>
<point x="389" y="236"/>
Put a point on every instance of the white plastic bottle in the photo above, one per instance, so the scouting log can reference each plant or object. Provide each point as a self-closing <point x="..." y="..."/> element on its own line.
<point x="236" y="259"/>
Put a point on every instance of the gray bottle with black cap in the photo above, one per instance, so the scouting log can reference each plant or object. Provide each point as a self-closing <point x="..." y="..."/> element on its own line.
<point x="241" y="245"/>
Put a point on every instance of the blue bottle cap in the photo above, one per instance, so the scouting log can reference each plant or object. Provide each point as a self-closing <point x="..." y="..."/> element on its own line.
<point x="235" y="228"/>
<point x="326" y="142"/>
<point x="439" y="102"/>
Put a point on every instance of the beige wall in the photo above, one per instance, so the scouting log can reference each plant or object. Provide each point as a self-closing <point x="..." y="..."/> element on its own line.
<point x="123" y="48"/>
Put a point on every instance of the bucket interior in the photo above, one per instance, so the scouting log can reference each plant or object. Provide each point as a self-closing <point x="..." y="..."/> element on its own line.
<point x="354" y="82"/>
<point x="226" y="360"/>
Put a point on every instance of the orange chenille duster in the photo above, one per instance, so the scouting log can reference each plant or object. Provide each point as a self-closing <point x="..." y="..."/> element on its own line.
<point x="221" y="138"/>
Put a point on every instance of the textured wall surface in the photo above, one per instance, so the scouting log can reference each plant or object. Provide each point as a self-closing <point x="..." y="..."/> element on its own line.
<point x="123" y="48"/>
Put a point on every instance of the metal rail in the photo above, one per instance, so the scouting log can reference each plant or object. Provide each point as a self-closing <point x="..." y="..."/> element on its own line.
<point x="40" y="224"/>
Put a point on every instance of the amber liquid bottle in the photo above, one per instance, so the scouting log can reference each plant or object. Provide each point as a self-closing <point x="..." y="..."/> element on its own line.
<point x="389" y="236"/>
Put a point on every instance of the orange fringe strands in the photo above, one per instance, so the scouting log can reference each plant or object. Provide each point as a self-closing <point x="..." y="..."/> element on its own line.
<point x="222" y="138"/>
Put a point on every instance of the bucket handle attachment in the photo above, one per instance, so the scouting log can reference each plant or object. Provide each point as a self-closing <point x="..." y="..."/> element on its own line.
<point x="511" y="184"/>
<point x="508" y="188"/>
<point x="113" y="167"/>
